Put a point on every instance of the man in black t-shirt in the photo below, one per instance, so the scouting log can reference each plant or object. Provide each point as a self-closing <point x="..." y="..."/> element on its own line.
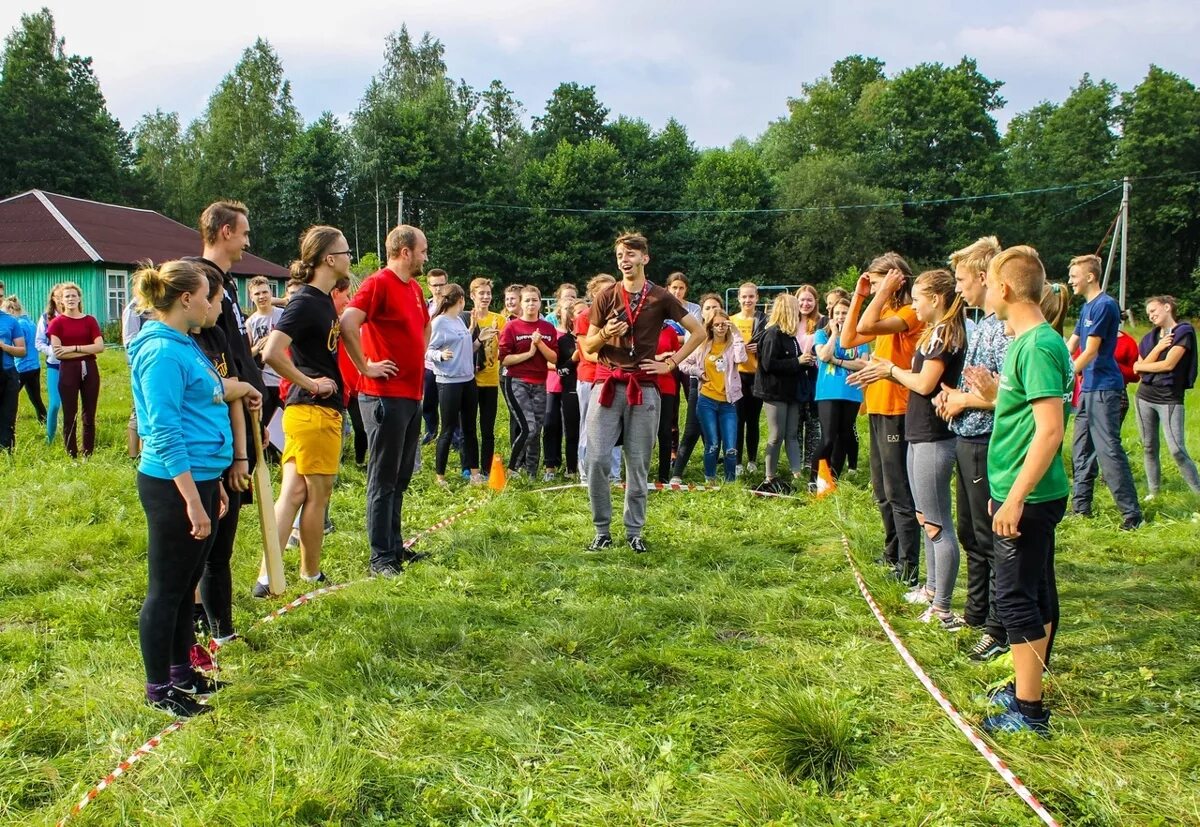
<point x="303" y="349"/>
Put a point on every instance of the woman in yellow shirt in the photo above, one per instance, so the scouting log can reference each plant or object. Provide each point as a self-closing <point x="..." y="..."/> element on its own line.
<point x="716" y="364"/>
<point x="750" y="323"/>
<point x="485" y="327"/>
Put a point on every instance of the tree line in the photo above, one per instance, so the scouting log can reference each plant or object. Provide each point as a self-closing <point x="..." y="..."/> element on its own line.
<point x="864" y="161"/>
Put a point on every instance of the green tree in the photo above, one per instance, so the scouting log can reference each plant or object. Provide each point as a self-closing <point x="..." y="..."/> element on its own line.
<point x="817" y="241"/>
<point x="1057" y="144"/>
<point x="1160" y="143"/>
<point x="571" y="246"/>
<point x="316" y="172"/>
<point x="242" y="143"/>
<point x="825" y="117"/>
<point x="931" y="136"/>
<point x="573" y="114"/>
<point x="162" y="167"/>
<point x="55" y="126"/>
<point x="722" y="248"/>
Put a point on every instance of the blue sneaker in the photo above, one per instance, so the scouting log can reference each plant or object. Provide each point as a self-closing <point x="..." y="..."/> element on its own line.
<point x="466" y="473"/>
<point x="1004" y="697"/>
<point x="1011" y="720"/>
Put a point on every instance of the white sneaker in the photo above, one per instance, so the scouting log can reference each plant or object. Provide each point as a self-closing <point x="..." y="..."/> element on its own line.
<point x="548" y="476"/>
<point x="737" y="470"/>
<point x="751" y="467"/>
<point x="926" y="616"/>
<point x="1148" y="498"/>
<point x="918" y="596"/>
<point x="676" y="481"/>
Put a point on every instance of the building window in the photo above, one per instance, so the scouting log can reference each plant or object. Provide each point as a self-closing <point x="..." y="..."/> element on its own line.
<point x="118" y="292"/>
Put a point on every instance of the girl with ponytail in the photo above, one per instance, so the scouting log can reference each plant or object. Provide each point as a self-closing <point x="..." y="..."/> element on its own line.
<point x="937" y="363"/>
<point x="451" y="351"/>
<point x="187" y="443"/>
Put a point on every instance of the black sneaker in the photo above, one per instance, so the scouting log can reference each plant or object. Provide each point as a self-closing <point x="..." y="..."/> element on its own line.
<point x="1132" y="523"/>
<point x="320" y="582"/>
<point x="179" y="704"/>
<point x="387" y="570"/>
<point x="638" y="544"/>
<point x="429" y="437"/>
<point x="600" y="542"/>
<point x="261" y="591"/>
<point x="198" y="685"/>
<point x="988" y="648"/>
<point x="408" y="556"/>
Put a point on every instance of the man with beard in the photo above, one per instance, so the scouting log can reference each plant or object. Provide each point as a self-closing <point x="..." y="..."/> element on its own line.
<point x="389" y="353"/>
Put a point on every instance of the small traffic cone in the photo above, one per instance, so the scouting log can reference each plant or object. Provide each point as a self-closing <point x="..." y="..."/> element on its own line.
<point x="496" y="478"/>
<point x="825" y="482"/>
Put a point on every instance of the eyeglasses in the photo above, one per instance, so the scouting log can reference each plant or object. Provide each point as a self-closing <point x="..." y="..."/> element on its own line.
<point x="346" y="253"/>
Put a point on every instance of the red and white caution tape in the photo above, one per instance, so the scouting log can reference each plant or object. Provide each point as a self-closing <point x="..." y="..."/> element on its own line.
<point x="138" y="754"/>
<point x="673" y="486"/>
<point x="998" y="765"/>
<point x="148" y="747"/>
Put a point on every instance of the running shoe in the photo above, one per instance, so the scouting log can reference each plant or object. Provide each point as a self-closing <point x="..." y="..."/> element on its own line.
<point x="1013" y="720"/>
<point x="676" y="481"/>
<point x="387" y="570"/>
<point x="951" y="622"/>
<point x="638" y="544"/>
<point x="918" y="596"/>
<point x="178" y="704"/>
<point x="198" y="686"/>
<point x="548" y="476"/>
<point x="294" y="539"/>
<point x="600" y="542"/>
<point x="261" y="591"/>
<point x="1004" y="697"/>
<point x="926" y="616"/>
<point x="751" y="467"/>
<point x="988" y="648"/>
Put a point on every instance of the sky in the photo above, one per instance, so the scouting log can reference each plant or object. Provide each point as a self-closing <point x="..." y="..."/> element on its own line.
<point x="722" y="69"/>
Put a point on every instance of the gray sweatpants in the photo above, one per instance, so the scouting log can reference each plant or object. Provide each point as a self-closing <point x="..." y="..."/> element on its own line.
<point x="640" y="423"/>
<point x="930" y="465"/>
<point x="527" y="402"/>
<point x="783" y="427"/>
<point x="584" y="391"/>
<point x="1149" y="416"/>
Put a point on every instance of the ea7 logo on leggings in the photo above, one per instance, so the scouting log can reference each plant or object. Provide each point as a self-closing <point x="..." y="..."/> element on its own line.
<point x="893" y="437"/>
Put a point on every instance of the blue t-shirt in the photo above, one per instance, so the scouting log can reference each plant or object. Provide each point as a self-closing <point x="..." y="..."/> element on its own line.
<point x="10" y="331"/>
<point x="831" y="379"/>
<point x="1101" y="317"/>
<point x="29" y="361"/>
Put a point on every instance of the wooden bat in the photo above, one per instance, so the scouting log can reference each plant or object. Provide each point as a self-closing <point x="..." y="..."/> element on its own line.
<point x="264" y="498"/>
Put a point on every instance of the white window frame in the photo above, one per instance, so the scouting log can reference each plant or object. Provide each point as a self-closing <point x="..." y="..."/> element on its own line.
<point x="119" y="293"/>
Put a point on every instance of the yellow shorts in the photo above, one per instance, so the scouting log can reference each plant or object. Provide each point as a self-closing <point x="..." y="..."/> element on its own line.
<point x="312" y="438"/>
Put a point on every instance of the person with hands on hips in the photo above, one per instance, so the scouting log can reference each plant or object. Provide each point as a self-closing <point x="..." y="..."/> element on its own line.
<point x="183" y="421"/>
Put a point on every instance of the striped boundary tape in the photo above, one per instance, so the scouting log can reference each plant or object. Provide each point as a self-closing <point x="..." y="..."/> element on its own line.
<point x="997" y="764"/>
<point x="138" y="754"/>
<point x="151" y="745"/>
<point x="672" y="486"/>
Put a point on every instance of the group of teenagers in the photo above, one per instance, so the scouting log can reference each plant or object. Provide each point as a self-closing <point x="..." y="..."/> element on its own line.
<point x="990" y="398"/>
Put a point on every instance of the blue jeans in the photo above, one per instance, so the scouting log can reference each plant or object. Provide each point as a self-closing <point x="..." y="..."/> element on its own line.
<point x="718" y="426"/>
<point x="1096" y="449"/>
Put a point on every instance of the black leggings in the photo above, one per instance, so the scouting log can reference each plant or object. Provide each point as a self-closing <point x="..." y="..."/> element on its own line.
<point x="489" y="400"/>
<point x="457" y="402"/>
<point x="749" y="411"/>
<point x="562" y="419"/>
<point x="691" y="427"/>
<point x="216" y="583"/>
<point x="837" y="433"/>
<point x="176" y="560"/>
<point x="31" y="381"/>
<point x="668" y="419"/>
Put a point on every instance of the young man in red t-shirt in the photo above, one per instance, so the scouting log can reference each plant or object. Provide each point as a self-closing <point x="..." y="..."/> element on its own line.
<point x="625" y="323"/>
<point x="391" y="363"/>
<point x="528" y="347"/>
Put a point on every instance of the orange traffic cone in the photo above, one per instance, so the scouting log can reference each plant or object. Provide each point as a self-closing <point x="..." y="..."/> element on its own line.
<point x="825" y="483"/>
<point x="496" y="478"/>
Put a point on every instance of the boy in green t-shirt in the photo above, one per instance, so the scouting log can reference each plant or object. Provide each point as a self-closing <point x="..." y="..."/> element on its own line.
<point x="1028" y="483"/>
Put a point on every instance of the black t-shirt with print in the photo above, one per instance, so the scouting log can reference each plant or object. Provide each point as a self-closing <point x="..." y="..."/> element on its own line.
<point x="215" y="346"/>
<point x="312" y="324"/>
<point x="921" y="422"/>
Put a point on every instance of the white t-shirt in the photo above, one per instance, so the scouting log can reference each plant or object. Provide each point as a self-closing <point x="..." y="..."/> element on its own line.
<point x="257" y="327"/>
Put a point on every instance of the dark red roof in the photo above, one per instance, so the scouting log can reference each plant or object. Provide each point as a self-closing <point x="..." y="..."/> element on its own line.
<point x="45" y="228"/>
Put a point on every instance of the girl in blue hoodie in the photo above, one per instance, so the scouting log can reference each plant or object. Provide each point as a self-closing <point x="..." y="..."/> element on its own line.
<point x="183" y="421"/>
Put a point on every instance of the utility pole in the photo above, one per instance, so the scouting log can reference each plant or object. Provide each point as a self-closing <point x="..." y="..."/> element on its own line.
<point x="356" y="256"/>
<point x="1124" y="237"/>
<point x="400" y="208"/>
<point x="378" y="243"/>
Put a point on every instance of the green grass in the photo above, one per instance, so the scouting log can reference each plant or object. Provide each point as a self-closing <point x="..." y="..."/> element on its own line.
<point x="733" y="676"/>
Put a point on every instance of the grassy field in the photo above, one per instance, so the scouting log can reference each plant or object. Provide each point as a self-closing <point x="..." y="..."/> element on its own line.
<point x="733" y="676"/>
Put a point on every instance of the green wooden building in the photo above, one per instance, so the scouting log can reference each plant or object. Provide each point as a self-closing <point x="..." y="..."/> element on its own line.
<point x="46" y="238"/>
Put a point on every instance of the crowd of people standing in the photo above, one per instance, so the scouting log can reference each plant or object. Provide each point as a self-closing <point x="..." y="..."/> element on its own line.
<point x="966" y="416"/>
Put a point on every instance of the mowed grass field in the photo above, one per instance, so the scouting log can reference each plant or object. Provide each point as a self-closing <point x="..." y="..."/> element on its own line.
<point x="733" y="676"/>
